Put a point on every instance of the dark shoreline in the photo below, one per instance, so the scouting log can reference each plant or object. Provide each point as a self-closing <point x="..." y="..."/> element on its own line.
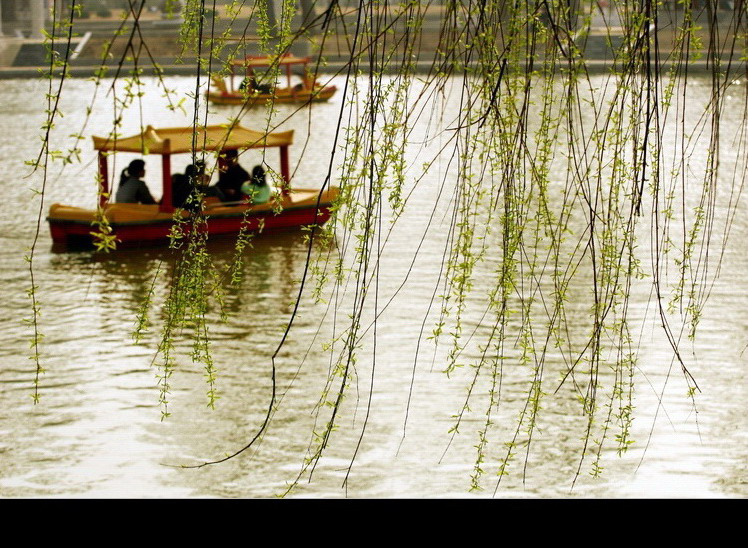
<point x="594" y="66"/>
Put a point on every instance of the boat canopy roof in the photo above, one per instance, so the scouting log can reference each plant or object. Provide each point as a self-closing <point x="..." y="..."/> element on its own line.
<point x="264" y="61"/>
<point x="176" y="140"/>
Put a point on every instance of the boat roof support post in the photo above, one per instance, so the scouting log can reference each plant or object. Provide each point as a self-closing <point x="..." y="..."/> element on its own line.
<point x="103" y="179"/>
<point x="285" y="168"/>
<point x="166" y="200"/>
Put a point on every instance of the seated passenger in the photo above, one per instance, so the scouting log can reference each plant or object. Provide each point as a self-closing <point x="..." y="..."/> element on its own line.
<point x="257" y="188"/>
<point x="231" y="177"/>
<point x="132" y="189"/>
<point x="184" y="184"/>
<point x="250" y="84"/>
<point x="309" y="81"/>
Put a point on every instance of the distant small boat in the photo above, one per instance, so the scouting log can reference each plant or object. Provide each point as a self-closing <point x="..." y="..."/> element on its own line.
<point x="251" y="93"/>
<point x="134" y="224"/>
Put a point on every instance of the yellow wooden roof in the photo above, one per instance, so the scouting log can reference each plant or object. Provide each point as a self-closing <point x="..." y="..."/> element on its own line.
<point x="176" y="140"/>
<point x="250" y="61"/>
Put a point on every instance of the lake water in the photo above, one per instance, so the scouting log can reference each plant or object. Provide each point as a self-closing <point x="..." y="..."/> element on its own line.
<point x="97" y="431"/>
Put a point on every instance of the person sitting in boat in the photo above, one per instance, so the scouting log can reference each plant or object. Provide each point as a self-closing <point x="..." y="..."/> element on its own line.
<point x="231" y="177"/>
<point x="250" y="84"/>
<point x="132" y="189"/>
<point x="309" y="81"/>
<point x="184" y="184"/>
<point x="257" y="188"/>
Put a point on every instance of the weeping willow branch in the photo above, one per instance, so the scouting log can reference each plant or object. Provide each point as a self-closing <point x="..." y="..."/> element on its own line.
<point x="549" y="169"/>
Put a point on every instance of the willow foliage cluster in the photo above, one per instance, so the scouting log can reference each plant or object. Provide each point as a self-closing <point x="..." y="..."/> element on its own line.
<point x="553" y="167"/>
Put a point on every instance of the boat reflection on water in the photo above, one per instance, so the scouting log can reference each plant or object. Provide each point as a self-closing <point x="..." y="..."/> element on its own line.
<point x="269" y="265"/>
<point x="106" y="369"/>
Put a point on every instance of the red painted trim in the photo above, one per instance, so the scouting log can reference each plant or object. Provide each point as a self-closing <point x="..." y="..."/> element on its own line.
<point x="103" y="179"/>
<point x="285" y="167"/>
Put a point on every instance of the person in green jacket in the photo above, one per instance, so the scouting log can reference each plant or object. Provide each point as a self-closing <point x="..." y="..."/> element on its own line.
<point x="257" y="187"/>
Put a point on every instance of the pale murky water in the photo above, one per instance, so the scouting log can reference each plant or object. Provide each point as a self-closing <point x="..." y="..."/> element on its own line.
<point x="97" y="431"/>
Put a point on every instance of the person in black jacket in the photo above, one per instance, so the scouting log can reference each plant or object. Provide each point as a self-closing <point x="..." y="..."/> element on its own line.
<point x="231" y="177"/>
<point x="184" y="184"/>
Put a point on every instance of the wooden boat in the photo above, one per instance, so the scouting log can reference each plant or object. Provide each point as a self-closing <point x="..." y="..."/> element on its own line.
<point x="136" y="224"/>
<point x="250" y="93"/>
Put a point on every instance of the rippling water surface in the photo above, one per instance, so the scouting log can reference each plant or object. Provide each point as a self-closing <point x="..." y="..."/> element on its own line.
<point x="97" y="431"/>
